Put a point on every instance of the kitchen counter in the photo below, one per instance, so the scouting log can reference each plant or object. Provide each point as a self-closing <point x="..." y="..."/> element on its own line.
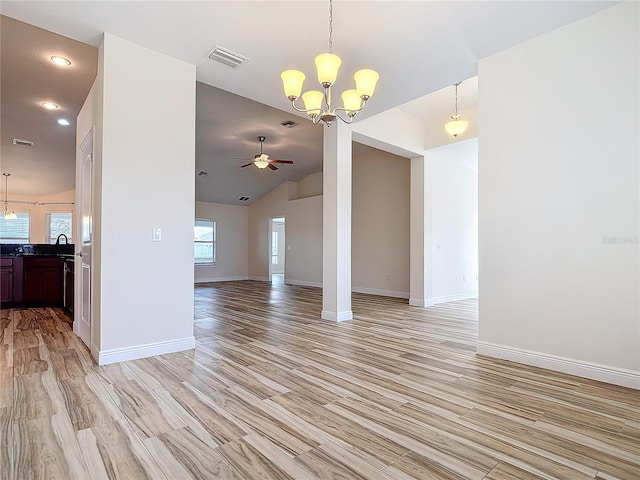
<point x="35" y="275"/>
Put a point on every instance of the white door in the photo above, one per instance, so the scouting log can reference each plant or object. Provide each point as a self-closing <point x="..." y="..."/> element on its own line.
<point x="82" y="326"/>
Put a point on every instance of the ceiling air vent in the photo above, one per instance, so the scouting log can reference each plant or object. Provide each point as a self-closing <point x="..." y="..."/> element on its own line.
<point x="289" y="123"/>
<point x="229" y="58"/>
<point x="243" y="199"/>
<point x="25" y="143"/>
<point x="203" y="173"/>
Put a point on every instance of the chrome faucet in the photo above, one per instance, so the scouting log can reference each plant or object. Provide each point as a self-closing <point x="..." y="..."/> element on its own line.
<point x="66" y="240"/>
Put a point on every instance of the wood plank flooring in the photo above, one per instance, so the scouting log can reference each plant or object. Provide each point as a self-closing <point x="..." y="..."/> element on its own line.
<point x="273" y="392"/>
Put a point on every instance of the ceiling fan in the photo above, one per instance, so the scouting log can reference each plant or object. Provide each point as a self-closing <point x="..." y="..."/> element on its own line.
<point x="262" y="160"/>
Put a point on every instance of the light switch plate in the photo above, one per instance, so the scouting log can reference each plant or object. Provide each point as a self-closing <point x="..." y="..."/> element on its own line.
<point x="156" y="234"/>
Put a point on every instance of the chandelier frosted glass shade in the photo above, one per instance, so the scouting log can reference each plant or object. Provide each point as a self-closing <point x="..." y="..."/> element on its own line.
<point x="327" y="65"/>
<point x="292" y="81"/>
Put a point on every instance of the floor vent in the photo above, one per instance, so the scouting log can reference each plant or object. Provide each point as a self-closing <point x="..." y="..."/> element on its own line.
<point x="229" y="58"/>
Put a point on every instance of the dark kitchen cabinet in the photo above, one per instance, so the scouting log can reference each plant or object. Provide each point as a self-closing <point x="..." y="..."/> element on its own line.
<point x="43" y="281"/>
<point x="6" y="280"/>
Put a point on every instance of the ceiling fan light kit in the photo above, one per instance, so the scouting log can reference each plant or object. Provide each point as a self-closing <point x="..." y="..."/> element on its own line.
<point x="317" y="104"/>
<point x="262" y="160"/>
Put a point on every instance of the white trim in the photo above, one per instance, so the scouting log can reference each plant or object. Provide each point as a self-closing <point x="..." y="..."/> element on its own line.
<point x="420" y="302"/>
<point x="220" y="279"/>
<point x="259" y="279"/>
<point x="383" y="293"/>
<point x="594" y="371"/>
<point x="95" y="352"/>
<point x="141" y="351"/>
<point x="303" y="283"/>
<point x="454" y="298"/>
<point x="337" y="316"/>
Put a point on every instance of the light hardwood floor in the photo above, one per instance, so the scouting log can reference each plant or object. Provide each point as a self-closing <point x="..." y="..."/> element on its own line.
<point x="272" y="392"/>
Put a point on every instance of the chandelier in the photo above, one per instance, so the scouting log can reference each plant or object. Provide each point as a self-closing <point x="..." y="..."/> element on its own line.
<point x="317" y="103"/>
<point x="456" y="126"/>
<point x="6" y="213"/>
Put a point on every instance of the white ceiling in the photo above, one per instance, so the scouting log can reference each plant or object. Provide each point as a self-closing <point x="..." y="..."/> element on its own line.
<point x="418" y="47"/>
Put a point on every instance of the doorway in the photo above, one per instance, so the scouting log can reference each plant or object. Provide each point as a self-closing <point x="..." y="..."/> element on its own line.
<point x="277" y="250"/>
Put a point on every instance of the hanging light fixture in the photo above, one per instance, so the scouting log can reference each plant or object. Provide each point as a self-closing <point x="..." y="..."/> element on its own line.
<point x="6" y="213"/>
<point x="456" y="126"/>
<point x="318" y="104"/>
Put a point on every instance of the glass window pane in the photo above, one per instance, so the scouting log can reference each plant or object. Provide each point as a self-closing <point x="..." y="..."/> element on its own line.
<point x="59" y="223"/>
<point x="16" y="230"/>
<point x="204" y="234"/>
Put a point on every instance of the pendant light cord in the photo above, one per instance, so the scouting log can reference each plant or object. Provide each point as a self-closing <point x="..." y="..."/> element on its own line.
<point x="457" y="96"/>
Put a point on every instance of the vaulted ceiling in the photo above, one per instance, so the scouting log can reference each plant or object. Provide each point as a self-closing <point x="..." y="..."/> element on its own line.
<point x="418" y="47"/>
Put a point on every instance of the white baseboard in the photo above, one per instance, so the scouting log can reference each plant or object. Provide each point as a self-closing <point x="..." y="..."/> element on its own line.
<point x="382" y="293"/>
<point x="260" y="279"/>
<point x="594" y="371"/>
<point x="303" y="283"/>
<point x="221" y="279"/>
<point x="420" y="302"/>
<point x="336" y="316"/>
<point x="141" y="351"/>
<point x="454" y="298"/>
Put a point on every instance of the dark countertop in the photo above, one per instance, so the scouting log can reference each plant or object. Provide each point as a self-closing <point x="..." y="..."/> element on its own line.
<point x="65" y="251"/>
<point x="63" y="256"/>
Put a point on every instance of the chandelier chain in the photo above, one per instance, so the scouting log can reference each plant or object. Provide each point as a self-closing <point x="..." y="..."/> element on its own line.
<point x="457" y="96"/>
<point x="330" y="26"/>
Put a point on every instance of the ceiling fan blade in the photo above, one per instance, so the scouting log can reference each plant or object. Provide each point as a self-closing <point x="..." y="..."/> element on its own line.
<point x="282" y="161"/>
<point x="246" y="165"/>
<point x="272" y="167"/>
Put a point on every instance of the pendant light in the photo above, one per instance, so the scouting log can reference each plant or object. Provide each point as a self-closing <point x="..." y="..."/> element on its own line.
<point x="456" y="126"/>
<point x="6" y="213"/>
<point x="318" y="103"/>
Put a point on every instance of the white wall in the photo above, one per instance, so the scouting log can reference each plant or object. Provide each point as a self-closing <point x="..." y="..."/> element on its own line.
<point x="310" y="186"/>
<point x="147" y="149"/>
<point x="273" y="204"/>
<point x="559" y="173"/>
<point x="304" y="241"/>
<point x="454" y="209"/>
<point x="380" y="224"/>
<point x="38" y="213"/>
<point x="232" y="242"/>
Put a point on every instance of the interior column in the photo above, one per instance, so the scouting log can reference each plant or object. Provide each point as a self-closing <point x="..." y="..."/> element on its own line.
<point x="420" y="243"/>
<point x="336" y="223"/>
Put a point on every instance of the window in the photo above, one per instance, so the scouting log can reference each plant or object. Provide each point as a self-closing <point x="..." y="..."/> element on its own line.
<point x="204" y="234"/>
<point x="16" y="230"/>
<point x="59" y="223"/>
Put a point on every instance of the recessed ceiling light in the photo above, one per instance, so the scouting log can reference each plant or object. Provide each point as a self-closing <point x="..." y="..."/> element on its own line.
<point x="63" y="62"/>
<point x="63" y="121"/>
<point x="49" y="105"/>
